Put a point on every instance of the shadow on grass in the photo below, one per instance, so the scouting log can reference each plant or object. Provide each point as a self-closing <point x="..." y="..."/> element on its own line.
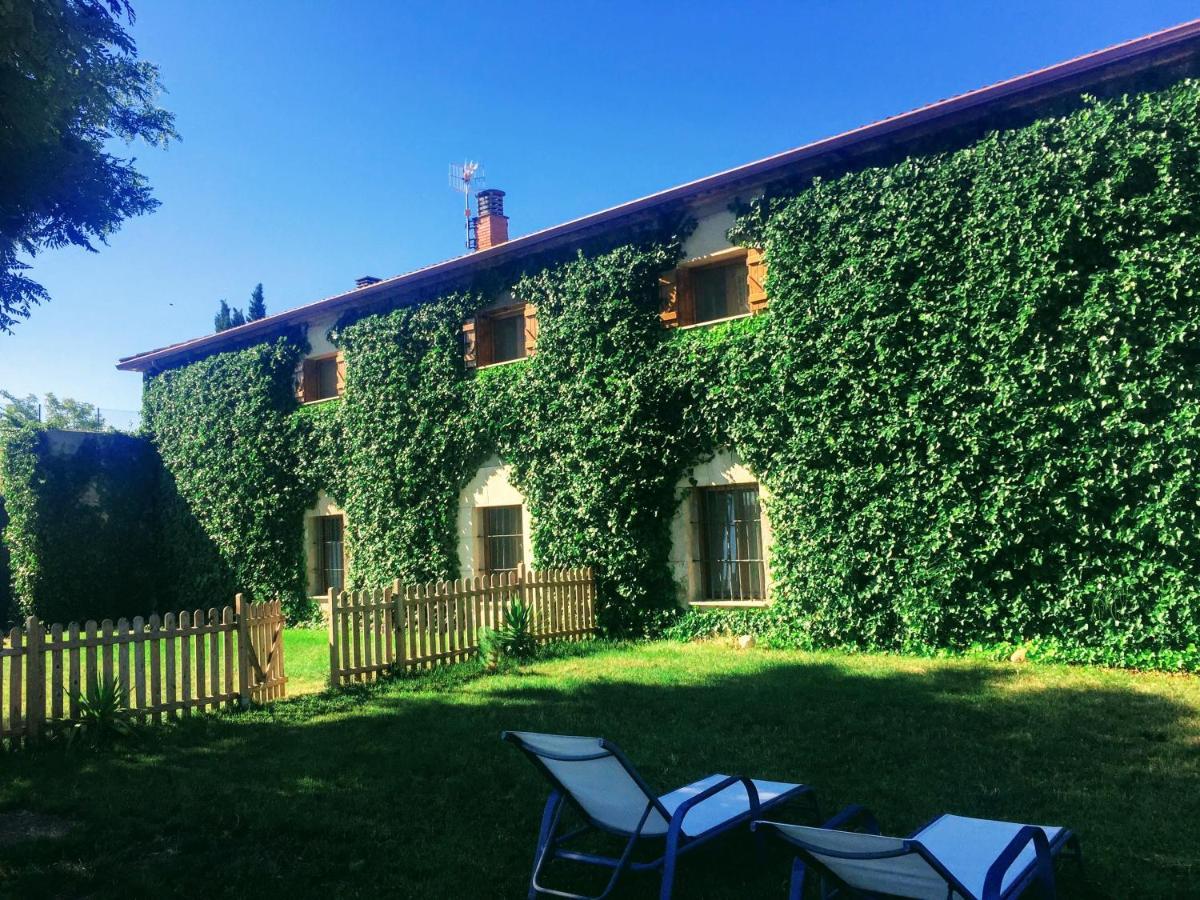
<point x="404" y="790"/>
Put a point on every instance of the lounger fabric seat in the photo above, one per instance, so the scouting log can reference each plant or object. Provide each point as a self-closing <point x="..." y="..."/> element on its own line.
<point x="594" y="776"/>
<point x="968" y="847"/>
<point x="731" y="802"/>
<point x="951" y="857"/>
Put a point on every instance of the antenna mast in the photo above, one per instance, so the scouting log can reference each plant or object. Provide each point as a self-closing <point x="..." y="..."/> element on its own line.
<point x="465" y="178"/>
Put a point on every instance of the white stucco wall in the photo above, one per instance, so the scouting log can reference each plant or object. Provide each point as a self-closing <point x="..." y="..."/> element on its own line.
<point x="490" y="487"/>
<point x="725" y="468"/>
<point x="317" y="330"/>
<point x="709" y="236"/>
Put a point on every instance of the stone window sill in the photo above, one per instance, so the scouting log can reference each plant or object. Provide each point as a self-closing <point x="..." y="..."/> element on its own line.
<point x="729" y="604"/>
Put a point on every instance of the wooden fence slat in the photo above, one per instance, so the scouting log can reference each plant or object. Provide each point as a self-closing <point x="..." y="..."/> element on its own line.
<point x="227" y="628"/>
<point x="4" y="654"/>
<point x="214" y="658"/>
<point x="154" y="636"/>
<point x="122" y="650"/>
<point x="366" y="622"/>
<point x="106" y="651"/>
<point x="35" y="679"/>
<point x="73" y="674"/>
<point x="56" y="672"/>
<point x="170" y="628"/>
<point x="91" y="670"/>
<point x="185" y="662"/>
<point x="16" y="724"/>
<point x="139" y="663"/>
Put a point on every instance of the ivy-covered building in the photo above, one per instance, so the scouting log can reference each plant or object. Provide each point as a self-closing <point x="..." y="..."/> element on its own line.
<point x="930" y="382"/>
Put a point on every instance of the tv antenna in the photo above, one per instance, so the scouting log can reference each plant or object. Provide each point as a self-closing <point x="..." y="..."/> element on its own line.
<point x="465" y="178"/>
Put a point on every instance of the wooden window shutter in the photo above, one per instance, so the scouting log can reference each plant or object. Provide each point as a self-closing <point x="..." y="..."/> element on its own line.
<point x="756" y="276"/>
<point x="470" y="354"/>
<point x="531" y="329"/>
<point x="483" y="341"/>
<point x="669" y="305"/>
<point x="341" y="373"/>
<point x="685" y="299"/>
<point x="696" y="511"/>
<point x="307" y="390"/>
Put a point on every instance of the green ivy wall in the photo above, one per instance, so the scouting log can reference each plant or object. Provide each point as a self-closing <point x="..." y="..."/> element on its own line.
<point x="973" y="398"/>
<point x="80" y="540"/>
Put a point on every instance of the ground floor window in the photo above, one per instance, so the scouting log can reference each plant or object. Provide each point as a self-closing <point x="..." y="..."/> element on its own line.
<point x="331" y="565"/>
<point x="731" y="543"/>
<point x="503" y="542"/>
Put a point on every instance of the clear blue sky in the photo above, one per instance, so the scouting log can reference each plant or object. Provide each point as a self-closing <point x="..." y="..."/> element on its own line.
<point x="316" y="136"/>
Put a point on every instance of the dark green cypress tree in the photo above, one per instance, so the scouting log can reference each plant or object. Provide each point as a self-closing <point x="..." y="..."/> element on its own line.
<point x="258" y="306"/>
<point x="222" y="320"/>
<point x="236" y="318"/>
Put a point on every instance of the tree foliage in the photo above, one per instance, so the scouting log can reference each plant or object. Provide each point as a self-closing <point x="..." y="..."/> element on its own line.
<point x="73" y="415"/>
<point x="70" y="80"/>
<point x="257" y="308"/>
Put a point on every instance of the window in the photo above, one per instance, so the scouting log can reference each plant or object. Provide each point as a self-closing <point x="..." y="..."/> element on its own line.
<point x="731" y="544"/>
<point x="331" y="566"/>
<point x="733" y="284"/>
<point x="720" y="291"/>
<point x="321" y="378"/>
<point x="503" y="546"/>
<point x="500" y="335"/>
<point x="508" y="338"/>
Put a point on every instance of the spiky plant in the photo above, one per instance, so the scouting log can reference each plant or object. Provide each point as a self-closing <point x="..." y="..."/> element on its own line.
<point x="102" y="716"/>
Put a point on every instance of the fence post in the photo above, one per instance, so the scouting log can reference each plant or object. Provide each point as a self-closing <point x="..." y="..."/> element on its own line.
<point x="396" y="614"/>
<point x="522" y="595"/>
<point x="243" y="626"/>
<point x="334" y="680"/>
<point x="35" y="678"/>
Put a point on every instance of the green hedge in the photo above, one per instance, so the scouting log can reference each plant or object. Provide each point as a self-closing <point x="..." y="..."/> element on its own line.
<point x="8" y="608"/>
<point x="81" y="535"/>
<point x="973" y="399"/>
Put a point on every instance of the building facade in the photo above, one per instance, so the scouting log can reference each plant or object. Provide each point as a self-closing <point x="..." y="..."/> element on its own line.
<point x="710" y="489"/>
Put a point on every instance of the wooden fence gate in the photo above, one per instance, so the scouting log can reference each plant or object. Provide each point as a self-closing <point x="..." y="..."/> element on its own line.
<point x="163" y="666"/>
<point x="263" y="627"/>
<point x="418" y="626"/>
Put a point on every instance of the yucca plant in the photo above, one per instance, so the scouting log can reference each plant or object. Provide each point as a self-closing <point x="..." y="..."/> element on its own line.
<point x="512" y="639"/>
<point x="102" y="716"/>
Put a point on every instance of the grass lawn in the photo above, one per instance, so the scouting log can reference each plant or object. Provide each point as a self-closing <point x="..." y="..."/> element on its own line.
<point x="405" y="791"/>
<point x="306" y="660"/>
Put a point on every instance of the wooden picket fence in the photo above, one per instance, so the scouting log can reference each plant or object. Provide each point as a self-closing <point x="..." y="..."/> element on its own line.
<point x="417" y="626"/>
<point x="163" y="667"/>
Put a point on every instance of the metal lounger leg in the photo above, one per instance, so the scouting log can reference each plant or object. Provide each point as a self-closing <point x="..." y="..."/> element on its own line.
<point x="796" y="889"/>
<point x="547" y="853"/>
<point x="550" y="816"/>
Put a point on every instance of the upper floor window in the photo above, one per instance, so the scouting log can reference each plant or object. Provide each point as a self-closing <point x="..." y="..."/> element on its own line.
<point x="730" y="286"/>
<point x="500" y="335"/>
<point x="508" y="337"/>
<point x="321" y="378"/>
<point x="720" y="291"/>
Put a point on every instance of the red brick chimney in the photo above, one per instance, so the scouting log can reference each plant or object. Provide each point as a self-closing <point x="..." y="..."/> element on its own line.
<point x="492" y="225"/>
